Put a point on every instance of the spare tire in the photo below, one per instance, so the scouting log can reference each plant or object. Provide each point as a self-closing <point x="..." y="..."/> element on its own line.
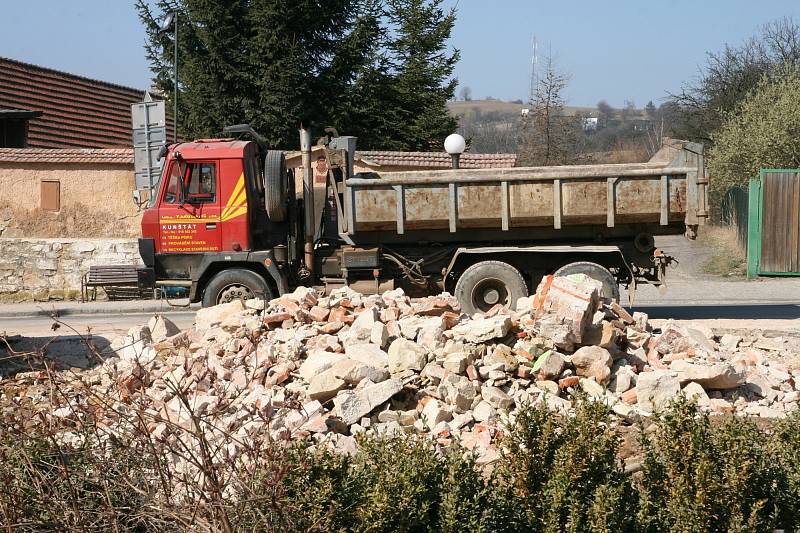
<point x="275" y="185"/>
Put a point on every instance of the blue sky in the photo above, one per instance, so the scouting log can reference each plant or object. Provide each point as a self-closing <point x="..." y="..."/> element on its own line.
<point x="613" y="49"/>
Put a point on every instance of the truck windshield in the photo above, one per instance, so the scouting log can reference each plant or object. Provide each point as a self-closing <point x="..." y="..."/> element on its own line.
<point x="172" y="194"/>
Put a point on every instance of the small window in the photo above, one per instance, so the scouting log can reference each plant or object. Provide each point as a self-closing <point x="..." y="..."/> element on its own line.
<point x="50" y="195"/>
<point x="201" y="186"/>
<point x="13" y="133"/>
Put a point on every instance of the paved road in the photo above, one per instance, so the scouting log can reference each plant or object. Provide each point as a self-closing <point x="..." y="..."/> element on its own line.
<point x="68" y="343"/>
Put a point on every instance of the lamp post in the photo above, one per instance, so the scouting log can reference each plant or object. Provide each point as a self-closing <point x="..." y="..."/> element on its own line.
<point x="455" y="145"/>
<point x="171" y="21"/>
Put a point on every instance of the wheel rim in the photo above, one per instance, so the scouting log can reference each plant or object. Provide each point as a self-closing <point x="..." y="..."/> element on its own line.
<point x="489" y="292"/>
<point x="234" y="291"/>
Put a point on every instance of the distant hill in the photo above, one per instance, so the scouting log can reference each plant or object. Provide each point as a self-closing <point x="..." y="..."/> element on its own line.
<point x="506" y="109"/>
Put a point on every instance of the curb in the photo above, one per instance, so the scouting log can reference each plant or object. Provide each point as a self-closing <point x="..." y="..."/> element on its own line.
<point x="77" y="310"/>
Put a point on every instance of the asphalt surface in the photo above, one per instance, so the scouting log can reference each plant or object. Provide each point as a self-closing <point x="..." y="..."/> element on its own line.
<point x="72" y="340"/>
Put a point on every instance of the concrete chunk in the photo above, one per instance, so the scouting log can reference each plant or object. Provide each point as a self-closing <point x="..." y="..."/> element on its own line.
<point x="654" y="390"/>
<point x="352" y="405"/>
<point x="406" y="355"/>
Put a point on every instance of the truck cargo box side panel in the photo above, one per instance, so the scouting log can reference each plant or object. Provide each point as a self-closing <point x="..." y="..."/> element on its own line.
<point x="584" y="201"/>
<point x="655" y="197"/>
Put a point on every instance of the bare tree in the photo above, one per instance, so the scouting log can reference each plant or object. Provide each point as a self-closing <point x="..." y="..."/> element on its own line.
<point x="628" y="110"/>
<point x="730" y="75"/>
<point x="548" y="136"/>
<point x="466" y="93"/>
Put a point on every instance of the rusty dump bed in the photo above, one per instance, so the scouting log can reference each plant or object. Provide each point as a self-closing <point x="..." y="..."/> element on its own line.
<point x="665" y="195"/>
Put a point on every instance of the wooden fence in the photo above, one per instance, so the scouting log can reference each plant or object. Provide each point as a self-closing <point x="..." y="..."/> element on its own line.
<point x="774" y="223"/>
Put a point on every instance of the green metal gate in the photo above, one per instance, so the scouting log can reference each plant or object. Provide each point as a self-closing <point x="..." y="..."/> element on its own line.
<point x="774" y="223"/>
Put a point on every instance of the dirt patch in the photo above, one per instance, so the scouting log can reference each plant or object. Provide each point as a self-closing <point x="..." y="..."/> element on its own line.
<point x="68" y="222"/>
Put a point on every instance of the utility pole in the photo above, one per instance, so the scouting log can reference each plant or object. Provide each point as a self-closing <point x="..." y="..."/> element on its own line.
<point x="175" y="83"/>
<point x="171" y="20"/>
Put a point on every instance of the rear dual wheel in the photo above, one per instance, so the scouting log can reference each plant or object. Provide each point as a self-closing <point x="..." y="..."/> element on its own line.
<point x="596" y="272"/>
<point x="488" y="283"/>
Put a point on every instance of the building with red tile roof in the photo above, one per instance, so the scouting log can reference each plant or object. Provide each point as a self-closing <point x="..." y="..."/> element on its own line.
<point x="46" y="108"/>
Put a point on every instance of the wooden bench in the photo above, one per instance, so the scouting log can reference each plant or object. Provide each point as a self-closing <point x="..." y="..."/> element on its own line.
<point x="120" y="282"/>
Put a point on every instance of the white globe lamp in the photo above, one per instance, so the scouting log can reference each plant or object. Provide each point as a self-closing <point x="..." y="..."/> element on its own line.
<point x="455" y="145"/>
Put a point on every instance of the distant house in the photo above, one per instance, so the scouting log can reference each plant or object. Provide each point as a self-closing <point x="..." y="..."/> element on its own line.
<point x="589" y="123"/>
<point x="46" y="108"/>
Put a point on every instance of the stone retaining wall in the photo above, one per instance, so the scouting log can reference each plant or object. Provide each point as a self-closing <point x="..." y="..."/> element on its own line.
<point x="51" y="269"/>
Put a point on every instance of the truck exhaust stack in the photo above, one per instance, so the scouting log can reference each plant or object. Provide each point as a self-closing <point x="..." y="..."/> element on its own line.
<point x="308" y="199"/>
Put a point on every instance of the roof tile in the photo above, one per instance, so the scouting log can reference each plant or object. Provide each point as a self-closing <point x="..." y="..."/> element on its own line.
<point x="436" y="159"/>
<point x="76" y="111"/>
<point x="112" y="156"/>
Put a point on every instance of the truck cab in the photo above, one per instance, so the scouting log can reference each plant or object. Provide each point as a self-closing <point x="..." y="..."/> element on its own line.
<point x="208" y="215"/>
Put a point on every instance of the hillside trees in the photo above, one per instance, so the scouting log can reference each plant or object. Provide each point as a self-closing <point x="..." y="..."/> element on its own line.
<point x="378" y="69"/>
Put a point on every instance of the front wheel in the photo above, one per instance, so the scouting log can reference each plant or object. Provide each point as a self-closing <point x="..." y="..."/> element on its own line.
<point x="488" y="283"/>
<point x="235" y="284"/>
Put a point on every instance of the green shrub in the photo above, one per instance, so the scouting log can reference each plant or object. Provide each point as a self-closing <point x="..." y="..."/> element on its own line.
<point x="564" y="473"/>
<point x="556" y="474"/>
<point x="704" y="476"/>
<point x="72" y="488"/>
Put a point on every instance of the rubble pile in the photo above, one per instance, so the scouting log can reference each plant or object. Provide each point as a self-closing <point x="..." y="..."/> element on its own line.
<point x="330" y="368"/>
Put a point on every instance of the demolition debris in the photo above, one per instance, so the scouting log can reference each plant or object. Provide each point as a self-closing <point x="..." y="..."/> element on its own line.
<point x="331" y="368"/>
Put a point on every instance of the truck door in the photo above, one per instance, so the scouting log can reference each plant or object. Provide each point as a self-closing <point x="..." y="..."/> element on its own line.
<point x="189" y="213"/>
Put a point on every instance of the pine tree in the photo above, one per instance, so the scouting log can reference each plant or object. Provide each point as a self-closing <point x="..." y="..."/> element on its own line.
<point x="212" y="66"/>
<point x="423" y="81"/>
<point x="377" y="69"/>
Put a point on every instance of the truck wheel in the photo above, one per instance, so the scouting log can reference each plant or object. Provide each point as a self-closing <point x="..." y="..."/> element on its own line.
<point x="596" y="272"/>
<point x="275" y="185"/>
<point x="235" y="284"/>
<point x="485" y="284"/>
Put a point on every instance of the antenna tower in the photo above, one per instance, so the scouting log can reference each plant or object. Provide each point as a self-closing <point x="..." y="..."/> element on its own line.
<point x="534" y="65"/>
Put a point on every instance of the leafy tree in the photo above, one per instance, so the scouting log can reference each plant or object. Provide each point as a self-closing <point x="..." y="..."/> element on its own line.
<point x="604" y="113"/>
<point x="651" y="110"/>
<point x="730" y="75"/>
<point x="763" y="131"/>
<point x="279" y="63"/>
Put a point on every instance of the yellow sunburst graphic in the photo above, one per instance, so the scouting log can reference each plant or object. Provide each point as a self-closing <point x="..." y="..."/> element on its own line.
<point x="237" y="203"/>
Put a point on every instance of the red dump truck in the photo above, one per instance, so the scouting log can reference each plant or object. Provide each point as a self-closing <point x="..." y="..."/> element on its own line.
<point x="225" y="222"/>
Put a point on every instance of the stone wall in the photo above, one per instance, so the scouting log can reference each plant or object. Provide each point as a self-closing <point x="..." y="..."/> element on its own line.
<point x="51" y="269"/>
